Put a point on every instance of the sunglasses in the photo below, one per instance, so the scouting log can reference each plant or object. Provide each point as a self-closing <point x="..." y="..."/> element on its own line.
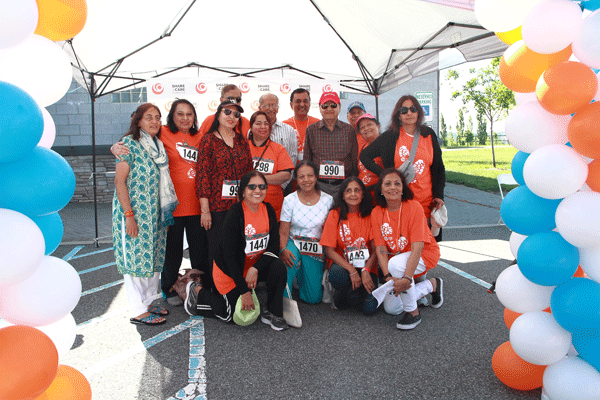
<point x="236" y="99"/>
<point x="252" y="186"/>
<point x="326" y="106"/>
<point x="228" y="111"/>
<point x="404" y="110"/>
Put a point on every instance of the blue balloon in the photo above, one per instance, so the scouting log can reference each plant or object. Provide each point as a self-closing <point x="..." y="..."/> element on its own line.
<point x="546" y="259"/>
<point x="590" y="4"/>
<point x="52" y="228"/>
<point x="587" y="344"/>
<point x="21" y="123"/>
<point x="39" y="184"/>
<point x="576" y="304"/>
<point x="516" y="167"/>
<point x="525" y="213"/>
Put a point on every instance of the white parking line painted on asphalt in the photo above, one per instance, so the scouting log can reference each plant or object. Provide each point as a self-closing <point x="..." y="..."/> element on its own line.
<point x="464" y="274"/>
<point x="72" y="253"/>
<point x="85" y="271"/>
<point x="196" y="389"/>
<point x="92" y="253"/>
<point x="99" y="288"/>
<point x="140" y="347"/>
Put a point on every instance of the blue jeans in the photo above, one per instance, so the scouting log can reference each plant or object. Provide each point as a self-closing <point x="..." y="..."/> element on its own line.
<point x="346" y="297"/>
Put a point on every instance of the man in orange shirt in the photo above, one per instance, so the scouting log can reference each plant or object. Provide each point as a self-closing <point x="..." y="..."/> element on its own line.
<point x="300" y="104"/>
<point x="229" y="92"/>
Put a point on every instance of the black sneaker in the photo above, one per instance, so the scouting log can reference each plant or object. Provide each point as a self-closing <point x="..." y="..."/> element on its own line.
<point x="437" y="297"/>
<point x="277" y="323"/>
<point x="191" y="298"/>
<point x="409" y="321"/>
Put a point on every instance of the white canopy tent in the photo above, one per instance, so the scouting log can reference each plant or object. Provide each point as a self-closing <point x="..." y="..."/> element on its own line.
<point x="369" y="46"/>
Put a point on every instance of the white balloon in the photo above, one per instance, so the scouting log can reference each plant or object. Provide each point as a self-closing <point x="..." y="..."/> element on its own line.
<point x="537" y="338"/>
<point x="544" y="396"/>
<point x="519" y="294"/>
<point x="62" y="332"/>
<point x="19" y="20"/>
<point x="555" y="171"/>
<point x="38" y="66"/>
<point x="515" y="242"/>
<point x="589" y="260"/>
<point x="551" y="25"/>
<point x="529" y="127"/>
<point x="586" y="45"/>
<point x="572" y="379"/>
<point x="522" y="98"/>
<point x="22" y="247"/>
<point x="49" y="134"/>
<point x="44" y="298"/>
<point x="502" y="15"/>
<point x="572" y="352"/>
<point x="578" y="219"/>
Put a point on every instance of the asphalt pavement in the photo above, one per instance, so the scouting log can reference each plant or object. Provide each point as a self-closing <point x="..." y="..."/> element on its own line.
<point x="335" y="355"/>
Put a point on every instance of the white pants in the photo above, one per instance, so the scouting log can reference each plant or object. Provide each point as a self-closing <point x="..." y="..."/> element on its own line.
<point x="405" y="301"/>
<point x="141" y="292"/>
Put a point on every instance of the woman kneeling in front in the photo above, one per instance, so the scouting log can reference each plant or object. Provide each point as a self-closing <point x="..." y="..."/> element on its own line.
<point x="405" y="248"/>
<point x="245" y="255"/>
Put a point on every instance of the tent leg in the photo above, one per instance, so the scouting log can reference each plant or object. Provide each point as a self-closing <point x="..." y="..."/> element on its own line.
<point x="93" y="101"/>
<point x="377" y="107"/>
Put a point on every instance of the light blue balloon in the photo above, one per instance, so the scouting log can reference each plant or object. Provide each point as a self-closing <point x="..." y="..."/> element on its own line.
<point x="52" y="228"/>
<point x="21" y="123"/>
<point x="39" y="184"/>
<point x="516" y="166"/>
<point x="546" y="259"/>
<point x="576" y="304"/>
<point x="587" y="344"/>
<point x="525" y="213"/>
<point x="590" y="4"/>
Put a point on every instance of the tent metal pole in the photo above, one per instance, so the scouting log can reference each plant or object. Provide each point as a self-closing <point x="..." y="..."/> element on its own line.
<point x="93" y="101"/>
<point x="377" y="107"/>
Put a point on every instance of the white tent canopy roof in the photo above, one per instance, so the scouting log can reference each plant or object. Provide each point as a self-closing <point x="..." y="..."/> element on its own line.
<point x="370" y="46"/>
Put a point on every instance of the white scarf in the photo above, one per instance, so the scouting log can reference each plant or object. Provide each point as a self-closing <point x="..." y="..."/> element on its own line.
<point x="166" y="191"/>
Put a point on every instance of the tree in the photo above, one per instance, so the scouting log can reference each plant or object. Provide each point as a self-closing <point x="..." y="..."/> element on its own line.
<point x="481" y="129"/>
<point x="460" y="127"/>
<point x="444" y="132"/>
<point x="487" y="94"/>
<point x="469" y="138"/>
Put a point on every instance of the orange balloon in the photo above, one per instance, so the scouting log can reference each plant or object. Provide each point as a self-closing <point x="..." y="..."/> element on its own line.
<point x="69" y="384"/>
<point x="580" y="273"/>
<point x="593" y="179"/>
<point x="510" y="316"/>
<point x="28" y="362"/>
<point x="584" y="131"/>
<point x="515" y="372"/>
<point x="510" y="37"/>
<point x="566" y="87"/>
<point x="61" y="19"/>
<point x="520" y="67"/>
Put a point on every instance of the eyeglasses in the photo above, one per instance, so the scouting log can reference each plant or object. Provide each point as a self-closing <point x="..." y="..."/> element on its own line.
<point x="252" y="186"/>
<point x="269" y="105"/>
<point x="326" y="106"/>
<point x="404" y="110"/>
<point x="228" y="111"/>
<point x="236" y="99"/>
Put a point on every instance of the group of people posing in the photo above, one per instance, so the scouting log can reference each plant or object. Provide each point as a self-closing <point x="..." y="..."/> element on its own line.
<point x="316" y="202"/>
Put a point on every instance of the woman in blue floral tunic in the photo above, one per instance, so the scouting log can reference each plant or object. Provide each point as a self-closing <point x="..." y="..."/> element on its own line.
<point x="142" y="209"/>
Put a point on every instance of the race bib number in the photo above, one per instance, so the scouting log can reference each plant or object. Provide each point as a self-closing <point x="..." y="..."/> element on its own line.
<point x="265" y="166"/>
<point x="256" y="244"/>
<point x="230" y="190"/>
<point x="332" y="170"/>
<point x="357" y="256"/>
<point x="188" y="153"/>
<point x="308" y="246"/>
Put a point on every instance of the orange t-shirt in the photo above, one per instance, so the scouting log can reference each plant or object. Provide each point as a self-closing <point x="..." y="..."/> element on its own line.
<point x="300" y="127"/>
<point x="209" y="120"/>
<point x="399" y="229"/>
<point x="256" y="231"/>
<point x="421" y="185"/>
<point x="182" y="150"/>
<point x="366" y="176"/>
<point x="353" y="232"/>
<point x="273" y="158"/>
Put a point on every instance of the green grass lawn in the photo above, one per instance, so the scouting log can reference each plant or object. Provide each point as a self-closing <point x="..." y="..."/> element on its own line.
<point x="473" y="167"/>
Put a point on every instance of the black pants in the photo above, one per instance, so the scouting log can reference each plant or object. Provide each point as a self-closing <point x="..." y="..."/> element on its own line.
<point x="198" y="246"/>
<point x="270" y="270"/>
<point x="214" y="234"/>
